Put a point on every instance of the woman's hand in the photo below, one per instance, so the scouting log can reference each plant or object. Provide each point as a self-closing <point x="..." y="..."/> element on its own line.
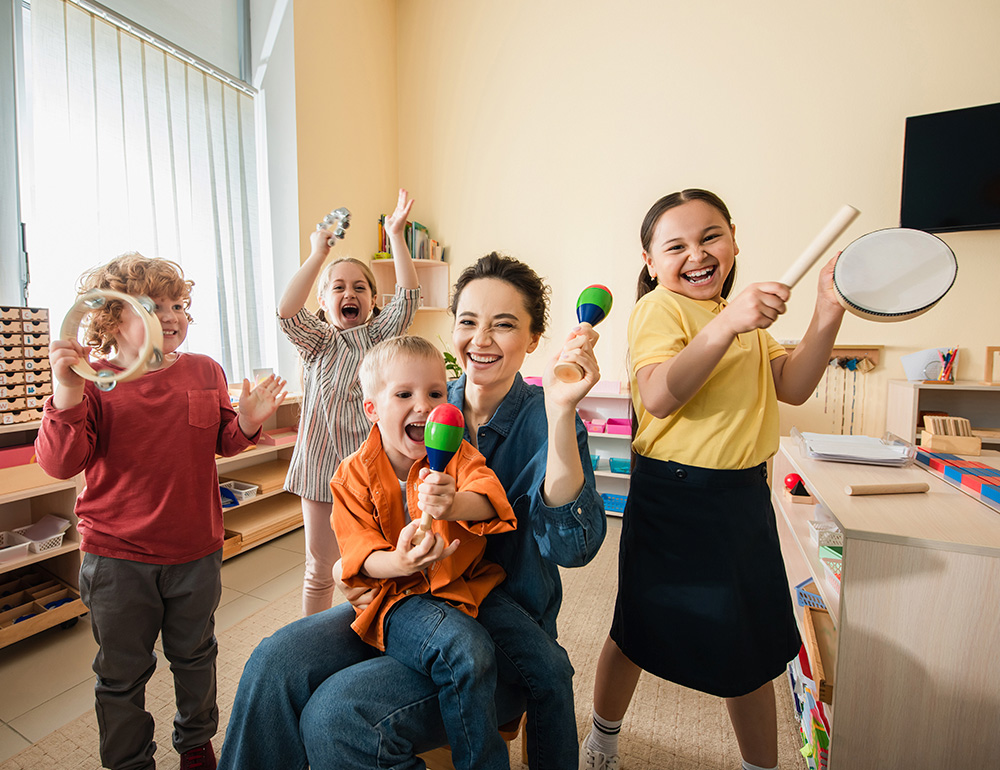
<point x="260" y="403"/>
<point x="436" y="494"/>
<point x="577" y="349"/>
<point x="756" y="307"/>
<point x="395" y="223"/>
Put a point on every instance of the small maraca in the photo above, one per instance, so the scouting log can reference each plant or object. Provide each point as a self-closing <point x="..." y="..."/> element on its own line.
<point x="443" y="433"/>
<point x="593" y="304"/>
<point x="337" y="220"/>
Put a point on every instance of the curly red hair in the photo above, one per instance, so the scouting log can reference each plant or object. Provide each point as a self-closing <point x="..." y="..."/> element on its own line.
<point x="131" y="273"/>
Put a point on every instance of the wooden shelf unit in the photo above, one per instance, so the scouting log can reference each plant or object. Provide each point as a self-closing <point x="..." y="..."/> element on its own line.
<point x="915" y="619"/>
<point x="978" y="403"/>
<point x="608" y="445"/>
<point x="435" y="282"/>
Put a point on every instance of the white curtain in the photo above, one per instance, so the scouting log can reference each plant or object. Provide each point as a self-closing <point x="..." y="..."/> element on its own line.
<point x="136" y="149"/>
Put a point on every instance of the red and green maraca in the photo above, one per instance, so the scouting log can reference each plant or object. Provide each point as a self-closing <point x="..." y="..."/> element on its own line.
<point x="443" y="433"/>
<point x="593" y="304"/>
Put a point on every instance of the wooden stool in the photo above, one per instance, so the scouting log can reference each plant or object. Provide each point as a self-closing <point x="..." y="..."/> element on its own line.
<point x="440" y="759"/>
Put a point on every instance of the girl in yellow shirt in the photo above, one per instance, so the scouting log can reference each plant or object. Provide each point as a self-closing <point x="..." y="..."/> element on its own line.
<point x="702" y="595"/>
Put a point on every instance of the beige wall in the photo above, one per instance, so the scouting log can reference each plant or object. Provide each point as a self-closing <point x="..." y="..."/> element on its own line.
<point x="546" y="128"/>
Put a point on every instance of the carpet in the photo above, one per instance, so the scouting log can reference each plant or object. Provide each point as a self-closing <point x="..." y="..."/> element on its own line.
<point x="667" y="728"/>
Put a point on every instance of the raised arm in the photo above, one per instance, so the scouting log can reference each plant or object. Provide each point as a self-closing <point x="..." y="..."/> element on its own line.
<point x="797" y="374"/>
<point x="406" y="273"/>
<point x="297" y="291"/>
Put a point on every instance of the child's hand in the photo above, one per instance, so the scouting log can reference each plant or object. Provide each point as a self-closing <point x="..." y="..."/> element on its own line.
<point x="756" y="307"/>
<point x="64" y="354"/>
<point x="395" y="223"/>
<point x="577" y="349"/>
<point x="826" y="296"/>
<point x="432" y="548"/>
<point x="260" y="403"/>
<point x="436" y="494"/>
<point x="320" y="242"/>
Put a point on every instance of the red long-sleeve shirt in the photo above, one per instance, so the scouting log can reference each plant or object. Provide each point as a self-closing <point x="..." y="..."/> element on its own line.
<point x="147" y="450"/>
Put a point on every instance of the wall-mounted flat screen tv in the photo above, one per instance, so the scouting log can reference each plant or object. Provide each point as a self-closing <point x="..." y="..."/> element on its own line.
<point x="951" y="170"/>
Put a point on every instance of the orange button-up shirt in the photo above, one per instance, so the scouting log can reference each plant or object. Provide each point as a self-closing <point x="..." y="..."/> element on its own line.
<point x="368" y="516"/>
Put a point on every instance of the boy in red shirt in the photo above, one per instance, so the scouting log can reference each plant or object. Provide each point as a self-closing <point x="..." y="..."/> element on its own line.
<point x="150" y="514"/>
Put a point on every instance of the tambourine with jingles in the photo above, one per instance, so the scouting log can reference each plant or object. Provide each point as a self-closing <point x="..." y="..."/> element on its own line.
<point x="151" y="354"/>
<point x="887" y="275"/>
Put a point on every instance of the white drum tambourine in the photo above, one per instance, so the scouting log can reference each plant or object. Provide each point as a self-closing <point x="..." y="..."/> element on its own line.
<point x="894" y="274"/>
<point x="151" y="355"/>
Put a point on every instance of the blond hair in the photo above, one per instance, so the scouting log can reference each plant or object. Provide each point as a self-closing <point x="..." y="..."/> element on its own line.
<point x="326" y="278"/>
<point x="130" y="273"/>
<point x="385" y="353"/>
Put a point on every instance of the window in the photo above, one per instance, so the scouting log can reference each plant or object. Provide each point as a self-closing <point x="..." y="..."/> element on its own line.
<point x="135" y="145"/>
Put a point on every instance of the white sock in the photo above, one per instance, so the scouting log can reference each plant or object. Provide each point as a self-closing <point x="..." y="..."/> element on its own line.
<point x="603" y="737"/>
<point x="748" y="766"/>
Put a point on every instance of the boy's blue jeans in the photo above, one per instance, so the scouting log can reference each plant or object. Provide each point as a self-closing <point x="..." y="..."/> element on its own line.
<point x="314" y="694"/>
<point x="431" y="637"/>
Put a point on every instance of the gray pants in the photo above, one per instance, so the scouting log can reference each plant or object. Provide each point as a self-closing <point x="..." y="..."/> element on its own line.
<point x="131" y="603"/>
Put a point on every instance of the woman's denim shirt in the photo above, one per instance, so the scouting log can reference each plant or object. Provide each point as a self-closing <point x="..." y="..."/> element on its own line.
<point x="515" y="444"/>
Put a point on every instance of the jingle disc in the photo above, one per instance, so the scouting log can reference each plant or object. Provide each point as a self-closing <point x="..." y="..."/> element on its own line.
<point x="894" y="274"/>
<point x="151" y="354"/>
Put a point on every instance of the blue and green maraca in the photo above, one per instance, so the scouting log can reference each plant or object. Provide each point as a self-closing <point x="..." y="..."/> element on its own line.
<point x="443" y="433"/>
<point x="592" y="306"/>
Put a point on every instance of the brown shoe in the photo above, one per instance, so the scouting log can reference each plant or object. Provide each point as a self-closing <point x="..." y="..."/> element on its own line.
<point x="201" y="758"/>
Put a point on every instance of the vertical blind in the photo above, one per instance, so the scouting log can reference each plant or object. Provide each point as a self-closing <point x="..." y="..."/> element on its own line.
<point x="138" y="149"/>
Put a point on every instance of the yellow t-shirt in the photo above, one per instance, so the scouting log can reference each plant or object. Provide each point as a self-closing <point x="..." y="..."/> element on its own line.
<point x="732" y="422"/>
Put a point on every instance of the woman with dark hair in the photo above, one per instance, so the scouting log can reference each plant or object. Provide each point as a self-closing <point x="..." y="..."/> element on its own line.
<point x="314" y="694"/>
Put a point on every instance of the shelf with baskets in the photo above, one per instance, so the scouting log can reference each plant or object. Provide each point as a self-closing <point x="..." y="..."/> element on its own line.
<point x="434" y="277"/>
<point x="263" y="510"/>
<point x="607" y="417"/>
<point x="901" y="644"/>
<point x="39" y="576"/>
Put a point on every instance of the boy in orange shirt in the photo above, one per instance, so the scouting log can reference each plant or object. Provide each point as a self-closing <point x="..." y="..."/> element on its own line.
<point x="427" y="595"/>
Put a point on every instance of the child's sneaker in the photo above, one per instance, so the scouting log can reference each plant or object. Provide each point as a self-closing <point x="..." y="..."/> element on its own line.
<point x="201" y="758"/>
<point x="595" y="760"/>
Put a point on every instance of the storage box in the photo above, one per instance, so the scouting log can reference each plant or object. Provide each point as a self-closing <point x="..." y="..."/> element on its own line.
<point x="620" y="465"/>
<point x="614" y="503"/>
<point x="594" y="460"/>
<point x="12" y="547"/>
<point x="619" y="425"/>
<point x="825" y="533"/>
<point x="278" y="437"/>
<point x="17" y="455"/>
<point x="240" y="489"/>
<point x="959" y="445"/>
<point x="808" y="595"/>
<point x="45" y="534"/>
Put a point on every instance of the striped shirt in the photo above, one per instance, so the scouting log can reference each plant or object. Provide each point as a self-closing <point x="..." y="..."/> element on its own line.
<point x="333" y="423"/>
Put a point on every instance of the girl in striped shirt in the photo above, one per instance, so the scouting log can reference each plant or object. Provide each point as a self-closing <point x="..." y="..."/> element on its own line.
<point x="331" y="344"/>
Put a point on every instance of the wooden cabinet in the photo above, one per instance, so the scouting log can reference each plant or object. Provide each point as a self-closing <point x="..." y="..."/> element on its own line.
<point x="434" y="276"/>
<point x="978" y="403"/>
<point x="913" y="658"/>
<point x="35" y="587"/>
<point x="611" y="449"/>
<point x="272" y="511"/>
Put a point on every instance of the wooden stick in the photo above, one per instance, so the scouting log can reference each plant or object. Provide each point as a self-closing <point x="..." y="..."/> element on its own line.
<point x="886" y="489"/>
<point x="820" y="244"/>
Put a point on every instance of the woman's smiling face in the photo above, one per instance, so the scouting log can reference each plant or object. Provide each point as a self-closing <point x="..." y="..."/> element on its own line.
<point x="492" y="332"/>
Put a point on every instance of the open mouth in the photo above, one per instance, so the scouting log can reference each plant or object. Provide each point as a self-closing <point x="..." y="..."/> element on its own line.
<point x="699" y="277"/>
<point x="479" y="358"/>
<point x="415" y="432"/>
<point x="350" y="312"/>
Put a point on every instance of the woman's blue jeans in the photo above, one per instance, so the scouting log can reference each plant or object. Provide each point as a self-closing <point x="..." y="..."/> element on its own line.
<point x="313" y="694"/>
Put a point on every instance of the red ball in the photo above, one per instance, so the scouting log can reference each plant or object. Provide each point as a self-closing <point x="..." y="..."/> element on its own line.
<point x="791" y="480"/>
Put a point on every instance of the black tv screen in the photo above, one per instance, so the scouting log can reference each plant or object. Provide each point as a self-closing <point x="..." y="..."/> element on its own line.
<point x="951" y="170"/>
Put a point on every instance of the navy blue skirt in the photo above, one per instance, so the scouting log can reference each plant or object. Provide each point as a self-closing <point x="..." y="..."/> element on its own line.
<point x="703" y="599"/>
